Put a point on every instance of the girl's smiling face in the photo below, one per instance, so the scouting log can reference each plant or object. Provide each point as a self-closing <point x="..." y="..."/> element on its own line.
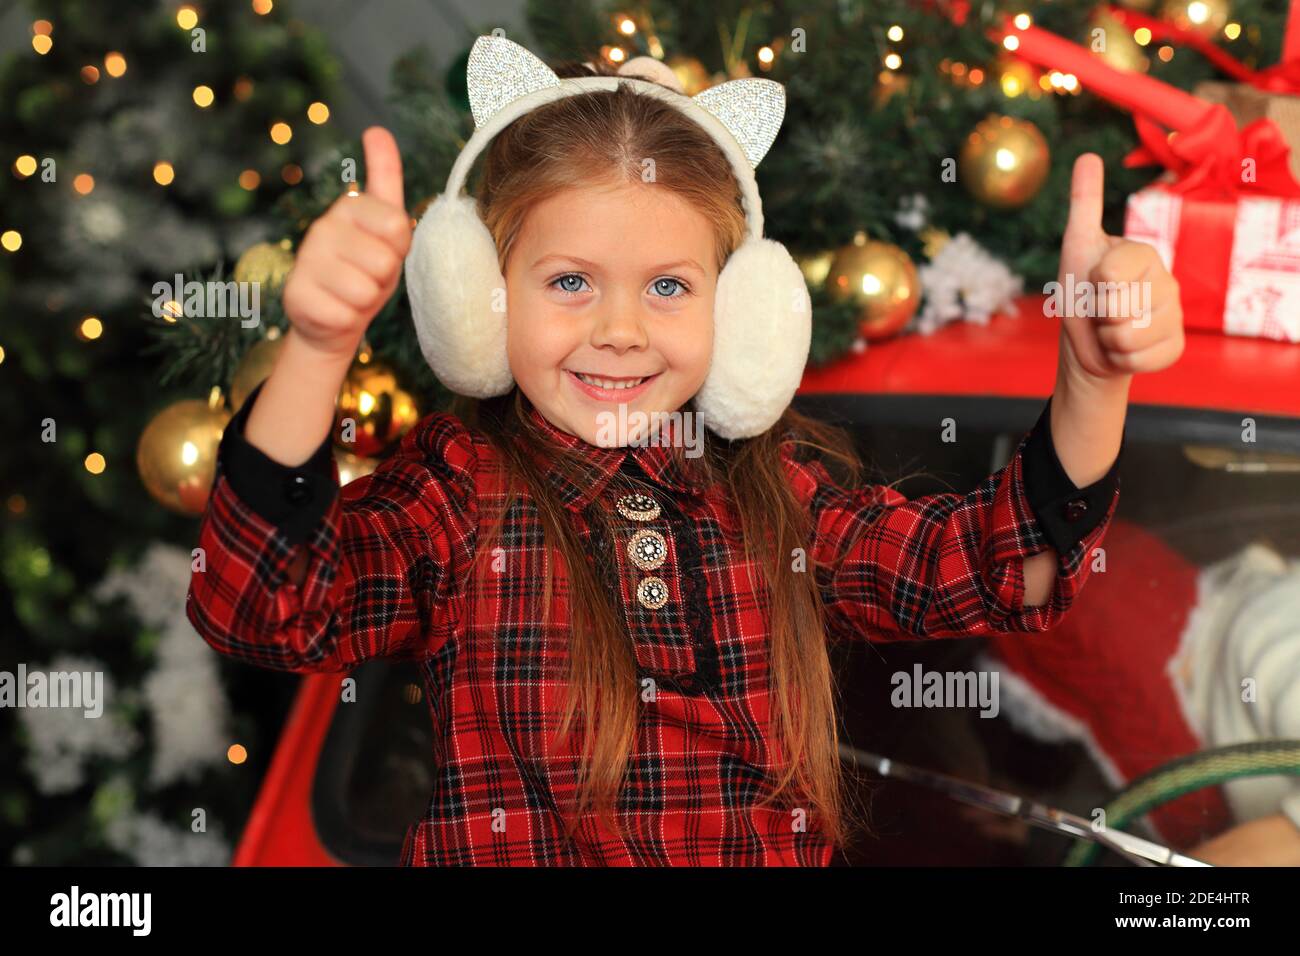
<point x="613" y="284"/>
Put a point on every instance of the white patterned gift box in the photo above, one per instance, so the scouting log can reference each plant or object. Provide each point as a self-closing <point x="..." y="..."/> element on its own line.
<point x="1237" y="262"/>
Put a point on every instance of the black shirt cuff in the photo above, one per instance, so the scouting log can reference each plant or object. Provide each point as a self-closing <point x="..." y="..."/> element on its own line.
<point x="292" y="499"/>
<point x="1066" y="513"/>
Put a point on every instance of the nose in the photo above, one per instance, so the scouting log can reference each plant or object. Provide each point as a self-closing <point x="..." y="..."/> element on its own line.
<point x="619" y="327"/>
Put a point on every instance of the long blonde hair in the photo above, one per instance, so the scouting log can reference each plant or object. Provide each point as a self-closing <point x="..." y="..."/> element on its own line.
<point x="566" y="144"/>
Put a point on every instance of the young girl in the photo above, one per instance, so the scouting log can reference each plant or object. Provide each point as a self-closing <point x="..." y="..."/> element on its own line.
<point x="624" y="641"/>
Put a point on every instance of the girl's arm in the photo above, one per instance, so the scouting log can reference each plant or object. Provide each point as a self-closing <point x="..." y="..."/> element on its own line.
<point x="299" y="576"/>
<point x="1087" y="428"/>
<point x="951" y="565"/>
<point x="1135" y="324"/>
<point x="291" y="574"/>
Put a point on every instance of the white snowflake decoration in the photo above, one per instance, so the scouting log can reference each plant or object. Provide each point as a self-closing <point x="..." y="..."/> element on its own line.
<point x="964" y="282"/>
<point x="186" y="701"/>
<point x="60" y="740"/>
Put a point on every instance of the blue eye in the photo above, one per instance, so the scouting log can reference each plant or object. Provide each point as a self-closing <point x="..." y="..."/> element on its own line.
<point x="678" y="282"/>
<point x="565" y="289"/>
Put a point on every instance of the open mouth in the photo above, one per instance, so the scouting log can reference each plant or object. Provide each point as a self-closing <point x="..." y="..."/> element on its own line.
<point x="601" y="381"/>
<point x="607" y="388"/>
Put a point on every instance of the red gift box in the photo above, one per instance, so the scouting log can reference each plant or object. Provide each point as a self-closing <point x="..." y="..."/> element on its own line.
<point x="1226" y="220"/>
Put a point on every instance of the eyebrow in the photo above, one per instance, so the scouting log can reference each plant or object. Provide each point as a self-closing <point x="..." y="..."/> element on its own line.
<point x="586" y="264"/>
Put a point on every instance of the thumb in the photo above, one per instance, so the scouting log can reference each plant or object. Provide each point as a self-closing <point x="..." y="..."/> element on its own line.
<point x="383" y="166"/>
<point x="1087" y="187"/>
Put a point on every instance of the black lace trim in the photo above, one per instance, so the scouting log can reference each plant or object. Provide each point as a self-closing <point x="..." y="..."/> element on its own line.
<point x="694" y="588"/>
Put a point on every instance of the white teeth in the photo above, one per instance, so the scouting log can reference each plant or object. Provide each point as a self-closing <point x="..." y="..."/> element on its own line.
<point x="609" y="383"/>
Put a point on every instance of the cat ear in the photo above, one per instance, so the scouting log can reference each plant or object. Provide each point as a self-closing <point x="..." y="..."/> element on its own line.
<point x="751" y="109"/>
<point x="501" y="71"/>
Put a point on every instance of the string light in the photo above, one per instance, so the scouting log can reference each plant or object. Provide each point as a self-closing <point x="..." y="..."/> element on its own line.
<point x="249" y="179"/>
<point x="172" y="310"/>
<point x="242" y="89"/>
<point x="1011" y="42"/>
<point x="281" y="133"/>
<point x="895" y="33"/>
<point x="1166" y="53"/>
<point x="318" y="113"/>
<point x="83" y="183"/>
<point x="291" y="174"/>
<point x="1232" y="30"/>
<point x="114" y="64"/>
<point x="89" y="74"/>
<point x="24" y="165"/>
<point x="626" y="26"/>
<point x="91" y="328"/>
<point x="11" y="239"/>
<point x="893" y="61"/>
<point x="41" y="40"/>
<point x="1142" y="35"/>
<point x="262" y="7"/>
<point x="95" y="463"/>
<point x="1023" y="21"/>
<point x="203" y="96"/>
<point x="236" y="753"/>
<point x="616" y="54"/>
<point x="163" y="173"/>
<point x="1198" y="12"/>
<point x="187" y="17"/>
<point x="766" y="55"/>
<point x="976" y="76"/>
<point x="2" y="355"/>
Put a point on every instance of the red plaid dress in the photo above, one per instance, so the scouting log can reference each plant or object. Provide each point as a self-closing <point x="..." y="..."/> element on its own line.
<point x="389" y="576"/>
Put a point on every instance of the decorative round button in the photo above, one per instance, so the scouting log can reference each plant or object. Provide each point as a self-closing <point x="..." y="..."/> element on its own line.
<point x="652" y="592"/>
<point x="1076" y="509"/>
<point x="647" y="549"/>
<point x="638" y="507"/>
<point x="296" y="489"/>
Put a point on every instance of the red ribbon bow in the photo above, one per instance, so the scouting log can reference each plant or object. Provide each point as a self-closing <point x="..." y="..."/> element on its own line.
<point x="1213" y="159"/>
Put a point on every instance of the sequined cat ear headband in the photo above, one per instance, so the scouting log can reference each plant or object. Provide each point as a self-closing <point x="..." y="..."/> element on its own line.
<point x="762" y="310"/>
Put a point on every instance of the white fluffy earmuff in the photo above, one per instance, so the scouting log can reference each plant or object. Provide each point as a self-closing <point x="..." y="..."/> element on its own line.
<point x="762" y="310"/>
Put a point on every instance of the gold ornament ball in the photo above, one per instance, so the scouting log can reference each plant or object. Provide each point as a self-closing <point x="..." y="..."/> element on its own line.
<point x="815" y="266"/>
<point x="177" y="454"/>
<point x="267" y="263"/>
<point x="882" y="280"/>
<point x="690" y="73"/>
<point x="352" y="467"/>
<point x="1121" y="51"/>
<point x="933" y="239"/>
<point x="889" y="83"/>
<point x="380" y="410"/>
<point x="253" y="369"/>
<point x="1016" y="77"/>
<point x="1004" y="162"/>
<point x="1206" y="17"/>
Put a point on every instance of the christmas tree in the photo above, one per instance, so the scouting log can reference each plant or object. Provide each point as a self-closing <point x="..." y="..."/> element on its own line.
<point x="209" y="154"/>
<point x="143" y="139"/>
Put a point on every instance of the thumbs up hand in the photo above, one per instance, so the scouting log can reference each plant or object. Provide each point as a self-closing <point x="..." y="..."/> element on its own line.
<point x="1119" y="305"/>
<point x="351" y="258"/>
